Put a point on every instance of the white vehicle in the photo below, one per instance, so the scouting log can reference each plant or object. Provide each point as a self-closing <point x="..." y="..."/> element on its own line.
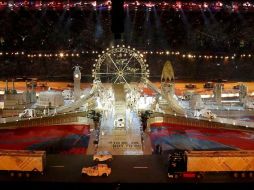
<point x="28" y="113"/>
<point x="119" y="122"/>
<point x="102" y="156"/>
<point x="99" y="170"/>
<point x="205" y="113"/>
<point x="249" y="105"/>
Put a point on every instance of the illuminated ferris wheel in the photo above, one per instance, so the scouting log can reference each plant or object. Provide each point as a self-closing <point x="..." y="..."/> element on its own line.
<point x="120" y="64"/>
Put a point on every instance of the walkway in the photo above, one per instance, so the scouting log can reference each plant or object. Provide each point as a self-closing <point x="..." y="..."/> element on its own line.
<point x="121" y="141"/>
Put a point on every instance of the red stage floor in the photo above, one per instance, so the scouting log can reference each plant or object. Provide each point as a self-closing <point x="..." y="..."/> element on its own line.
<point x="65" y="139"/>
<point x="171" y="136"/>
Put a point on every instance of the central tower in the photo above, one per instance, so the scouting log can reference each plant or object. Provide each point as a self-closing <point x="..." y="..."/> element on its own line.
<point x="77" y="78"/>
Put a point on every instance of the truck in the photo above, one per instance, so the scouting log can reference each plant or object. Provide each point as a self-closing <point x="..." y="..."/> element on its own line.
<point x="22" y="162"/>
<point x="99" y="170"/>
<point x="28" y="113"/>
<point x="196" y="164"/>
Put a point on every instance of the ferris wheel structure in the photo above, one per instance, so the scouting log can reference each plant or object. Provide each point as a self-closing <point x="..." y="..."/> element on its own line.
<point x="120" y="65"/>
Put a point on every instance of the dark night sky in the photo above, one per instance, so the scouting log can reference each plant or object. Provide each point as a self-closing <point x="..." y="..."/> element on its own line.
<point x="154" y="29"/>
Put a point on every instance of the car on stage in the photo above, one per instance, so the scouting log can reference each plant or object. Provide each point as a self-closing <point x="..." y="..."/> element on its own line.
<point x="99" y="170"/>
<point x="102" y="156"/>
<point x="119" y="122"/>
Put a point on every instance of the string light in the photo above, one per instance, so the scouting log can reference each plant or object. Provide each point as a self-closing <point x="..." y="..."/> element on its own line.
<point x="161" y="53"/>
<point x="61" y="54"/>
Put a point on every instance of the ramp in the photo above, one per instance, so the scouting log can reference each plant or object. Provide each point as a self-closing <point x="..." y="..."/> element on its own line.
<point x="170" y="104"/>
<point x="77" y="104"/>
<point x="119" y="141"/>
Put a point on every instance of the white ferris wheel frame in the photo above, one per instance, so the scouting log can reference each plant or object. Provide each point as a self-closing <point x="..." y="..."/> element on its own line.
<point x="120" y="73"/>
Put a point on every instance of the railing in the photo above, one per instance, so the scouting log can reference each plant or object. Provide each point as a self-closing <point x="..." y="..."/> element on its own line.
<point x="43" y="121"/>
